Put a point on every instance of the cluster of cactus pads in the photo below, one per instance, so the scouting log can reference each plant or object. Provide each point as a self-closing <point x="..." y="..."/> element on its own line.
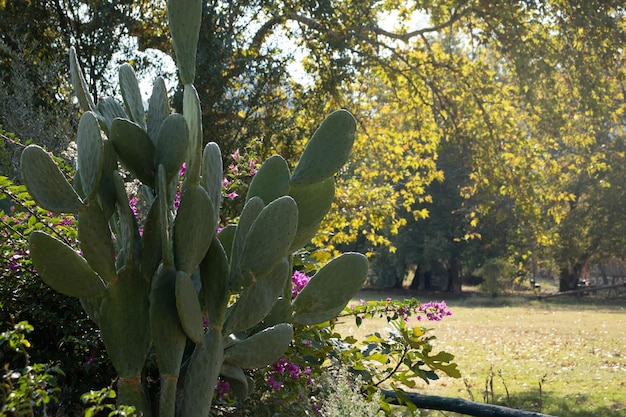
<point x="156" y="291"/>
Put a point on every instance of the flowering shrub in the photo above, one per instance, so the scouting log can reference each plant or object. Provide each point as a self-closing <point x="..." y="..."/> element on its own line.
<point x="294" y="385"/>
<point x="63" y="333"/>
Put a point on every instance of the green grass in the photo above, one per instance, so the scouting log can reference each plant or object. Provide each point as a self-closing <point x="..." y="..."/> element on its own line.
<point x="509" y="347"/>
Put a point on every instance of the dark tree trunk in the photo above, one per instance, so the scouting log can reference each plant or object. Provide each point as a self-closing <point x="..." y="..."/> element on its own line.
<point x="454" y="277"/>
<point x="569" y="277"/>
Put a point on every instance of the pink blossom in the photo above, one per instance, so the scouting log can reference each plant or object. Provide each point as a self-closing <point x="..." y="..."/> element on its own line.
<point x="299" y="281"/>
<point x="235" y="155"/>
<point x="225" y="182"/>
<point x="233" y="195"/>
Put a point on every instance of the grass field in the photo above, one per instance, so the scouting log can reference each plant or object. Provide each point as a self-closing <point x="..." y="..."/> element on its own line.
<point x="563" y="358"/>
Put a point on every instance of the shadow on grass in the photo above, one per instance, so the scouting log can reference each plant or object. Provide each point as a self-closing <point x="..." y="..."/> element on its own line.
<point x="547" y="403"/>
<point x="552" y="404"/>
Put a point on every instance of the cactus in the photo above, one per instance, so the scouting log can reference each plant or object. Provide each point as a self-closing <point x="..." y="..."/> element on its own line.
<point x="157" y="290"/>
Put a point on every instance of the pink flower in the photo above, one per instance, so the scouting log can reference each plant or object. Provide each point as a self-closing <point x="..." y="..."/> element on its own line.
<point x="225" y="182"/>
<point x="235" y="155"/>
<point x="233" y="195"/>
<point x="299" y="281"/>
<point x="435" y="311"/>
<point x="233" y="168"/>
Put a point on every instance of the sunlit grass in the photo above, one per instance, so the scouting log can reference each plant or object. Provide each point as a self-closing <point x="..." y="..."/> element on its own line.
<point x="555" y="357"/>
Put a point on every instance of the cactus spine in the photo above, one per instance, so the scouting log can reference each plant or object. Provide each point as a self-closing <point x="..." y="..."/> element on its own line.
<point x="157" y="289"/>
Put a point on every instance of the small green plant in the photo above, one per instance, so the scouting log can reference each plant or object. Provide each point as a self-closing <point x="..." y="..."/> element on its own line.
<point x="342" y="397"/>
<point x="100" y="401"/>
<point x="209" y="303"/>
<point x="26" y="389"/>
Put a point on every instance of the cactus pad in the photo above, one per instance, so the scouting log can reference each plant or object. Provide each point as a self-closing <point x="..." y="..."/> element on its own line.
<point x="345" y="275"/>
<point x="46" y="183"/>
<point x="62" y="268"/>
<point x="327" y="151"/>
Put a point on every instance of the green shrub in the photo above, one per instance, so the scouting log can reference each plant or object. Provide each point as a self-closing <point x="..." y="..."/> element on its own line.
<point x="496" y="274"/>
<point x="63" y="333"/>
<point x="26" y="389"/>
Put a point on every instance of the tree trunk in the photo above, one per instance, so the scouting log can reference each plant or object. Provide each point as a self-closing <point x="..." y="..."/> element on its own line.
<point x="454" y="277"/>
<point x="569" y="277"/>
<point x="461" y="406"/>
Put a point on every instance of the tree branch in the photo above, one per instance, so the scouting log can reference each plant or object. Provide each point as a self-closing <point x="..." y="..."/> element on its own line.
<point x="459" y="405"/>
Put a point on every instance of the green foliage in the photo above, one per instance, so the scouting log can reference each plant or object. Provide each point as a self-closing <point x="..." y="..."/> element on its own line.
<point x="341" y="397"/>
<point x="297" y="383"/>
<point x="100" y="401"/>
<point x="25" y="388"/>
<point x="497" y="275"/>
<point x="64" y="334"/>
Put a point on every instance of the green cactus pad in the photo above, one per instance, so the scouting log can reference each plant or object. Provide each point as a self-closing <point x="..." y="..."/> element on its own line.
<point x="272" y="180"/>
<point x="151" y="241"/>
<point x="193" y="115"/>
<point x="184" y="19"/>
<point x="226" y="237"/>
<point x="46" y="183"/>
<point x="81" y="91"/>
<point x="214" y="294"/>
<point x="345" y="274"/>
<point x="107" y="186"/>
<point x="327" y="151"/>
<point x="158" y="108"/>
<point x="167" y="333"/>
<point x="62" y="268"/>
<point x="89" y="146"/>
<point x="130" y="240"/>
<point x="188" y="307"/>
<point x="91" y="306"/>
<point x="171" y="146"/>
<point x="250" y="212"/>
<point x="167" y="254"/>
<point x="240" y="384"/>
<point x="212" y="174"/>
<point x="124" y="322"/>
<point x="260" y="349"/>
<point x="256" y="301"/>
<point x="313" y="201"/>
<point x="194" y="228"/>
<point x="204" y="367"/>
<point x="96" y="242"/>
<point x="132" y="95"/>
<point x="135" y="149"/>
<point x="269" y="240"/>
<point x="110" y="109"/>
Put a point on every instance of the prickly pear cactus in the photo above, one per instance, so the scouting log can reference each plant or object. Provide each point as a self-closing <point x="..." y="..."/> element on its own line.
<point x="157" y="287"/>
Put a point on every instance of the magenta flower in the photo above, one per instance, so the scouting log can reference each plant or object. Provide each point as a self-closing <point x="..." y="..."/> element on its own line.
<point x="222" y="388"/>
<point x="233" y="195"/>
<point x="235" y="155"/>
<point x="299" y="281"/>
<point x="434" y="311"/>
